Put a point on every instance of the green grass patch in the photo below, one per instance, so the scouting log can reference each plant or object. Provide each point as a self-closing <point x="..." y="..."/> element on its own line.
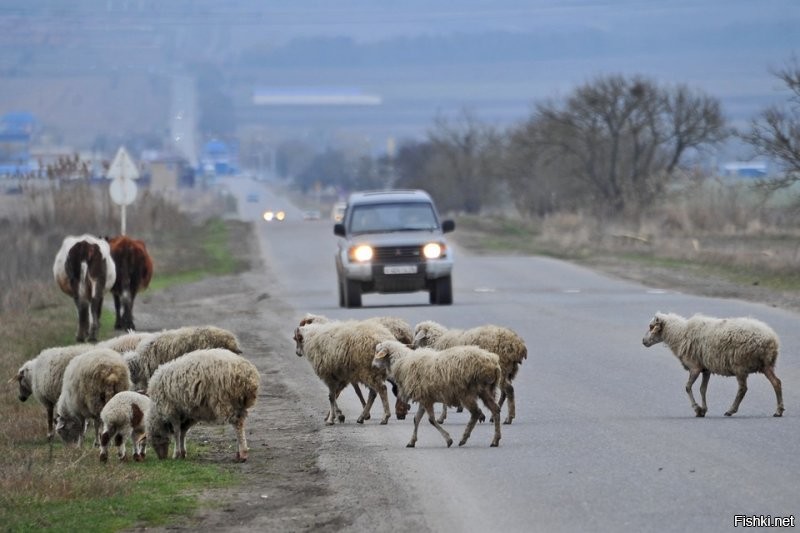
<point x="146" y="494"/>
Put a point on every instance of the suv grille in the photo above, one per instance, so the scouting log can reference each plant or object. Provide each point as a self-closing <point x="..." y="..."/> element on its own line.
<point x="397" y="254"/>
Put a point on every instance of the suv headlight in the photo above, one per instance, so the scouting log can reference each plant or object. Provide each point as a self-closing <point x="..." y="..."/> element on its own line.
<point x="361" y="253"/>
<point x="433" y="250"/>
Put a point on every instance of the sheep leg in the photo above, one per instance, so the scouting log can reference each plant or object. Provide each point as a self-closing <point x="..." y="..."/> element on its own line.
<point x="105" y="438"/>
<point x="694" y="373"/>
<point x="776" y="384"/>
<point x="443" y="416"/>
<point x="184" y="430"/>
<point x="138" y="439"/>
<point x="472" y="406"/>
<point x="417" y="418"/>
<point x="742" y="379"/>
<point x="332" y="392"/>
<point x="119" y="441"/>
<point x="703" y="388"/>
<point x="238" y="426"/>
<point x="358" y="393"/>
<point x="117" y="321"/>
<point x="508" y="391"/>
<point x="339" y="388"/>
<point x="83" y="320"/>
<point x="432" y="420"/>
<point x="367" y="406"/>
<point x="387" y="411"/>
<point x="51" y="430"/>
<point x="487" y="397"/>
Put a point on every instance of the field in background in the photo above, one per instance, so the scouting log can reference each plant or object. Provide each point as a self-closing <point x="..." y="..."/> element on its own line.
<point x="711" y="238"/>
<point x="47" y="486"/>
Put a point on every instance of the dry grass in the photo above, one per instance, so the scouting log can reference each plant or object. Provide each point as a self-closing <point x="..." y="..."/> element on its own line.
<point x="730" y="229"/>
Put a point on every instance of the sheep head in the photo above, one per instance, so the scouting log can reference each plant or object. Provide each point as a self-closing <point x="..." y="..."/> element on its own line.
<point x="69" y="428"/>
<point x="425" y="333"/>
<point x="383" y="355"/>
<point x="655" y="332"/>
<point x="159" y="432"/>
<point x="23" y="377"/>
<point x="298" y="339"/>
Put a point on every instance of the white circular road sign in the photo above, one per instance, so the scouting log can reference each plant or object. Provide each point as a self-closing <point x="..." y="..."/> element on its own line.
<point x="123" y="192"/>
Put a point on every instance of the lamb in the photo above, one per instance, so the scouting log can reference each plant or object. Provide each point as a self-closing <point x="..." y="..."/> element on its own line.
<point x="454" y="376"/>
<point x="725" y="346"/>
<point x="341" y="353"/>
<point x="43" y="376"/>
<point x="400" y="331"/>
<point x="170" y="344"/>
<point x="90" y="380"/>
<point x="504" y="342"/>
<point x="213" y="385"/>
<point x="123" y="418"/>
<point x="127" y="342"/>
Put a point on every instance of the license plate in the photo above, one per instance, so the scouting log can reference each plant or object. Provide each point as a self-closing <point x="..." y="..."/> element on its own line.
<point x="400" y="269"/>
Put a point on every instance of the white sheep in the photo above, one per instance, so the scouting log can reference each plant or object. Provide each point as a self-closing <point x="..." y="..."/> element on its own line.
<point x="123" y="417"/>
<point x="401" y="331"/>
<point x="43" y="375"/>
<point x="170" y="344"/>
<point x="455" y="376"/>
<point x="214" y="385"/>
<point x="341" y="353"/>
<point x="126" y="342"/>
<point x="90" y="380"/>
<point x="725" y="346"/>
<point x="504" y="342"/>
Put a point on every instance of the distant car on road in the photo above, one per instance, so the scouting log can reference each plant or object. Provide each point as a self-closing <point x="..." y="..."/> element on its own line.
<point x="277" y="216"/>
<point x="311" y="214"/>
<point x="393" y="242"/>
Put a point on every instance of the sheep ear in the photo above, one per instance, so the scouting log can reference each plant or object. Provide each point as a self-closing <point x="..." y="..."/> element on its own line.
<point x="297" y="335"/>
<point x="15" y="379"/>
<point x="381" y="353"/>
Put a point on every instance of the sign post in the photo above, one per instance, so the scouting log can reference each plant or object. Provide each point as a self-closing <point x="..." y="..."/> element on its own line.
<point x="123" y="189"/>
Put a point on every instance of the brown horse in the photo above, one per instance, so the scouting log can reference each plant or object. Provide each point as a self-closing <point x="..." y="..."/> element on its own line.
<point x="84" y="270"/>
<point x="134" y="271"/>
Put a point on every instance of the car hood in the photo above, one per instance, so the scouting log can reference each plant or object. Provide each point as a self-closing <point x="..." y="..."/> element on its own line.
<point x="399" y="238"/>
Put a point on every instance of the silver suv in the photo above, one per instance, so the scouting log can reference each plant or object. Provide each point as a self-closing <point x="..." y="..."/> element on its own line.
<point x="393" y="241"/>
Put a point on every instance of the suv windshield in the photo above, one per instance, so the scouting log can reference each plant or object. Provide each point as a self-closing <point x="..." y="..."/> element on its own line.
<point x="380" y="218"/>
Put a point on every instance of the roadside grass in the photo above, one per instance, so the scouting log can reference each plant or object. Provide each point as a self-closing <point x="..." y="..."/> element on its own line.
<point x="51" y="487"/>
<point x="769" y="259"/>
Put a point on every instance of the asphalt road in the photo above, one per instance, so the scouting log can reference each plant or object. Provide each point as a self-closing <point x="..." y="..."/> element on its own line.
<point x="604" y="439"/>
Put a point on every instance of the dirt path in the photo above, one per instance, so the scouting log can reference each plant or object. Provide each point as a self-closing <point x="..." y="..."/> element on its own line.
<point x="283" y="488"/>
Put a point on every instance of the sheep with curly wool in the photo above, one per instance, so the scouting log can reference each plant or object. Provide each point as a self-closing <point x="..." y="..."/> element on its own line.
<point x="126" y="342"/>
<point x="213" y="385"/>
<point x="454" y="376"/>
<point x="173" y="343"/>
<point x="400" y="330"/>
<point x="90" y="380"/>
<point x="504" y="342"/>
<point x="724" y="346"/>
<point x="341" y="353"/>
<point x="43" y="376"/>
<point x="123" y="418"/>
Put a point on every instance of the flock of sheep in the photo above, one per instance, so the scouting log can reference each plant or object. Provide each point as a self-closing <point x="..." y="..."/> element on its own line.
<point x="191" y="374"/>
<point x="153" y="387"/>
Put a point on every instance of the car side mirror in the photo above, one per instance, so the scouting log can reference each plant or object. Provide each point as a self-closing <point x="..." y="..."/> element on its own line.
<point x="338" y="229"/>
<point x="448" y="225"/>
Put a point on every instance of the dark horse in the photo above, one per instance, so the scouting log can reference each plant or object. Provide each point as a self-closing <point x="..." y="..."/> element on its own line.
<point x="134" y="270"/>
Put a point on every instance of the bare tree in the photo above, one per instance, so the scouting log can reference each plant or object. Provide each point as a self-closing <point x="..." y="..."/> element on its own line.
<point x="622" y="138"/>
<point x="775" y="133"/>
